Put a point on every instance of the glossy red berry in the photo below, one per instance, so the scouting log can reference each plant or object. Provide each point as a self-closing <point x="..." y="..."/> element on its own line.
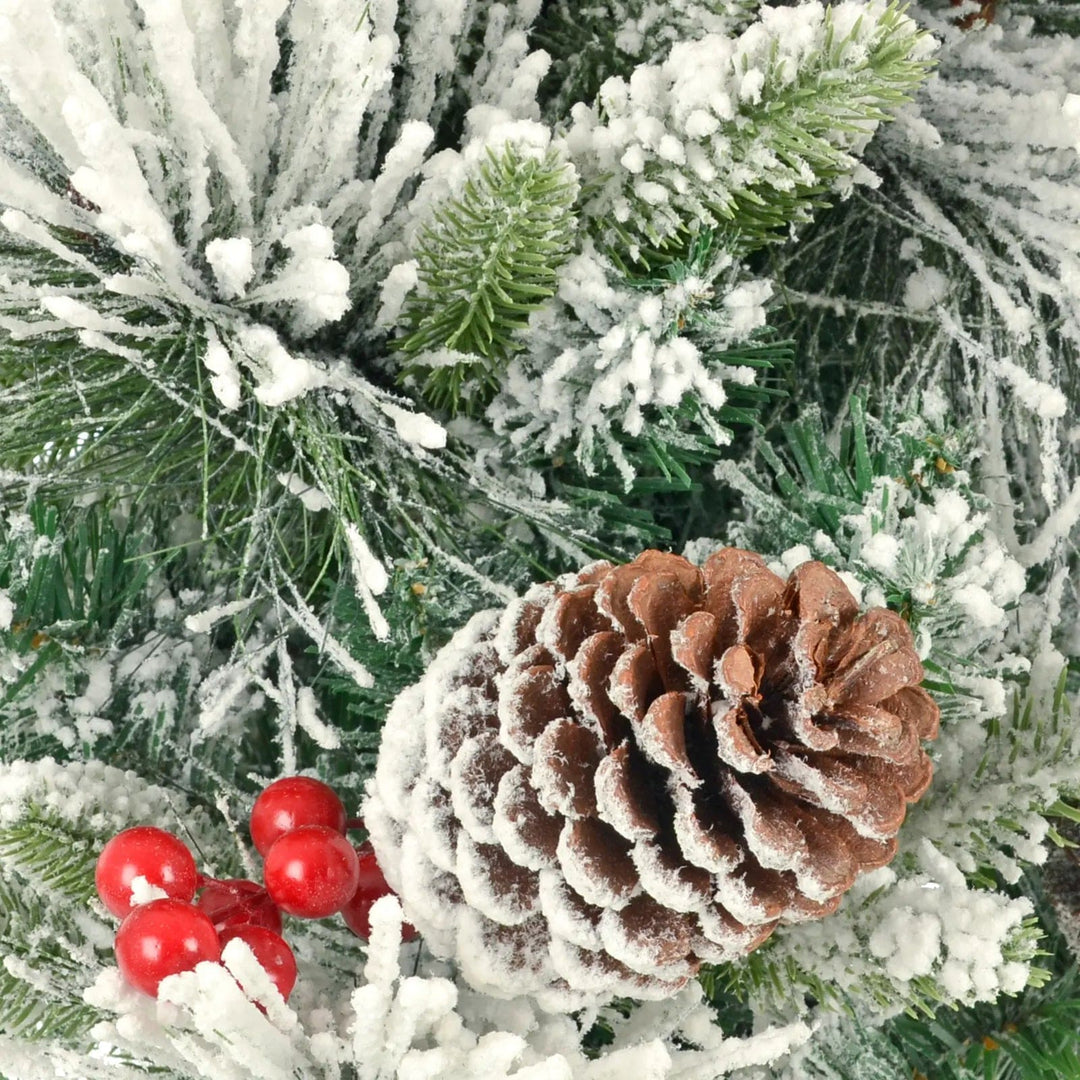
<point x="371" y="885"/>
<point x="148" y="852"/>
<point x="272" y="952"/>
<point x="291" y="803"/>
<point x="162" y="938"/>
<point x="311" y="872"/>
<point x="237" y="902"/>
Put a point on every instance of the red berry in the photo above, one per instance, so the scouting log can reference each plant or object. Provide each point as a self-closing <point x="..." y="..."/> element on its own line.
<point x="272" y="952"/>
<point x="311" y="872"/>
<point x="162" y="938"/>
<point x="370" y="887"/>
<point x="291" y="803"/>
<point x="237" y="902"/>
<point x="146" y="852"/>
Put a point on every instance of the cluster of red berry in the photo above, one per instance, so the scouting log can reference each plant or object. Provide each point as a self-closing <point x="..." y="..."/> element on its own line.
<point x="310" y="870"/>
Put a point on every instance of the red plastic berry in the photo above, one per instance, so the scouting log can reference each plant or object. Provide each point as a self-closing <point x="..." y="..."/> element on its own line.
<point x="370" y="887"/>
<point x="311" y="872"/>
<point x="146" y="852"/>
<point x="272" y="952"/>
<point x="291" y="803"/>
<point x="162" y="938"/>
<point x="238" y="902"/>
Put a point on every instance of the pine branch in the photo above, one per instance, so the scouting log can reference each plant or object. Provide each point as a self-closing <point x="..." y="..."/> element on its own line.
<point x="800" y="122"/>
<point x="819" y="484"/>
<point x="672" y="497"/>
<point x="488" y="259"/>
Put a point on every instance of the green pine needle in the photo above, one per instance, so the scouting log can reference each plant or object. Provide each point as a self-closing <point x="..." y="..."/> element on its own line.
<point x="487" y="260"/>
<point x="1032" y="1036"/>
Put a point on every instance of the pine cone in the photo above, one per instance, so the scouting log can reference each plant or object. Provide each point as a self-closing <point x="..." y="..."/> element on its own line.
<point x="639" y="768"/>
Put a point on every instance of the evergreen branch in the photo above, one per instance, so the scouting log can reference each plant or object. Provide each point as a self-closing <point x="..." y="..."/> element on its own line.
<point x="799" y="123"/>
<point x="52" y="854"/>
<point x="820" y="482"/>
<point x="672" y="497"/>
<point x="75" y="580"/>
<point x="487" y="260"/>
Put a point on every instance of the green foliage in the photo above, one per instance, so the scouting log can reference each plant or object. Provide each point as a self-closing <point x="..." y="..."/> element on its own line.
<point x="763" y="976"/>
<point x="1058" y="18"/>
<point x="845" y="1049"/>
<point x="395" y="662"/>
<point x="820" y="479"/>
<point x="656" y="488"/>
<point x="78" y="585"/>
<point x="671" y="497"/>
<point x="842" y="88"/>
<point x="487" y="259"/>
<point x="76" y="581"/>
<point x="46" y="879"/>
<point x="783" y="151"/>
<point x="146" y="427"/>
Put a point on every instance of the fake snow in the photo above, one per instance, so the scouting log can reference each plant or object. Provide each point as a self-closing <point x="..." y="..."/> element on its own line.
<point x="416" y="428"/>
<point x="313" y="498"/>
<point x="368" y="571"/>
<point x="225" y="375"/>
<point x="201" y="622"/>
<point x="231" y="260"/>
<point x="280" y="376"/>
<point x="925" y="288"/>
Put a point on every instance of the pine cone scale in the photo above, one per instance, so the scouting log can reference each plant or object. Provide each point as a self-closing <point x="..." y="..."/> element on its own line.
<point x="595" y="860"/>
<point x="589" y="676"/>
<point x="625" y="799"/>
<point x="693" y="644"/>
<point x="521" y="825"/>
<point x="565" y="760"/>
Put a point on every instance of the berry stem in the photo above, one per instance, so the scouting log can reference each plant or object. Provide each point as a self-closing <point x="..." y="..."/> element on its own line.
<point x="355" y="823"/>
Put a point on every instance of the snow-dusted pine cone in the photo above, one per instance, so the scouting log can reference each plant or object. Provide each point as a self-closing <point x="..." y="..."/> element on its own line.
<point x="635" y="769"/>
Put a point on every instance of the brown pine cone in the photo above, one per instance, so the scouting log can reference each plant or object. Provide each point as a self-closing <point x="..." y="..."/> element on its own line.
<point x="635" y="769"/>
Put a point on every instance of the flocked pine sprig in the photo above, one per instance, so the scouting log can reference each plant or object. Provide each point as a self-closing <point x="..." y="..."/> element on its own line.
<point x="683" y="348"/>
<point x="486" y="259"/>
<point x="81" y="604"/>
<point x="746" y="135"/>
<point x="1034" y="1035"/>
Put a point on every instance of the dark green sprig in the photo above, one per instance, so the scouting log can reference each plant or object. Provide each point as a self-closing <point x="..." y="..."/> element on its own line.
<point x="817" y="482"/>
<point x="487" y="260"/>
